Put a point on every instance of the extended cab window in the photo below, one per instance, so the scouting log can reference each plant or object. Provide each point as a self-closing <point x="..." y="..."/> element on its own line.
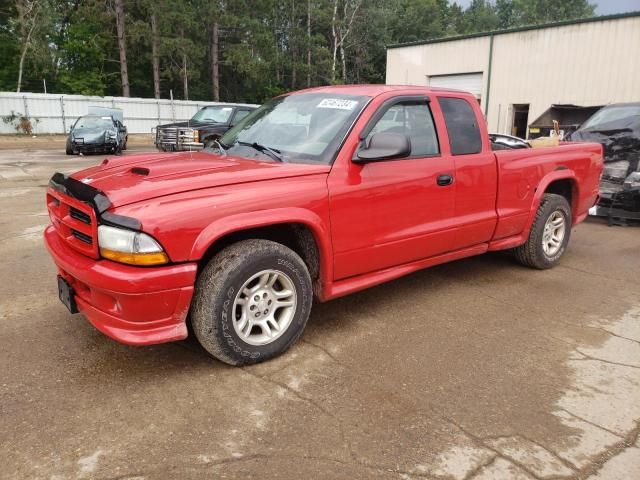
<point x="415" y="121"/>
<point x="462" y="125"/>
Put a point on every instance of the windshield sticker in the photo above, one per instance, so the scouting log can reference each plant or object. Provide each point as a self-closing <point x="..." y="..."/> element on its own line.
<point x="226" y="109"/>
<point x="338" y="103"/>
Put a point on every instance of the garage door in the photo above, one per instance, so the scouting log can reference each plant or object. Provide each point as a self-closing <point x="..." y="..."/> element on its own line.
<point x="469" y="82"/>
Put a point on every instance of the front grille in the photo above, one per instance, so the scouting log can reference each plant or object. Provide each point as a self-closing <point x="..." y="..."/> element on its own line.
<point x="79" y="215"/>
<point x="82" y="237"/>
<point x="182" y="138"/>
<point x="167" y="135"/>
<point x="185" y="135"/>
<point x="75" y="222"/>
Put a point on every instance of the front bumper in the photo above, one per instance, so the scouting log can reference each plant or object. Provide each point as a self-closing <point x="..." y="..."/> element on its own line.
<point x="133" y="305"/>
<point x="177" y="139"/>
<point x="180" y="147"/>
<point x="622" y="204"/>
<point x="94" y="147"/>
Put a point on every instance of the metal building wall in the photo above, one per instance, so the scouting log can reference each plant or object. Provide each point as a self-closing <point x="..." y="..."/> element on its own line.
<point x="53" y="113"/>
<point x="590" y="63"/>
<point x="413" y="65"/>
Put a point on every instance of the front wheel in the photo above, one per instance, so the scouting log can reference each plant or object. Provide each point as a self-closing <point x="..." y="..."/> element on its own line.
<point x="252" y="302"/>
<point x="549" y="234"/>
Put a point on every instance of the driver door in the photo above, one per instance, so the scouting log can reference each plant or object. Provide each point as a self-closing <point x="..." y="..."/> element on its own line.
<point x="391" y="212"/>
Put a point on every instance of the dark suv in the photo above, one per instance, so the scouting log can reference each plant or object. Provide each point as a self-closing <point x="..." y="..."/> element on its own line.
<point x="204" y="128"/>
<point x="617" y="128"/>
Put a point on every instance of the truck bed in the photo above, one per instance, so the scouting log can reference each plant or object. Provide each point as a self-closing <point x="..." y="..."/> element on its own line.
<point x="524" y="173"/>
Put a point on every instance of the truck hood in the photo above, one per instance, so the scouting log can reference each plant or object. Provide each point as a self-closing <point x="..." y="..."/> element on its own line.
<point x="136" y="178"/>
<point x="191" y="124"/>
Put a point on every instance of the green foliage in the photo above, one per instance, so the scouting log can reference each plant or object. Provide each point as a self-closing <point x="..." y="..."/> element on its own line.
<point x="526" y="12"/>
<point x="263" y="44"/>
<point x="83" y="53"/>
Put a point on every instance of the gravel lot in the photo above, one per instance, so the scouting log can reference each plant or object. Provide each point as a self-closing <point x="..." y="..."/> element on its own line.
<point x="477" y="369"/>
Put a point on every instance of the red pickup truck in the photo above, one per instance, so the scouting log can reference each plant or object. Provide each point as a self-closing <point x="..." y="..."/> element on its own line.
<point x="316" y="194"/>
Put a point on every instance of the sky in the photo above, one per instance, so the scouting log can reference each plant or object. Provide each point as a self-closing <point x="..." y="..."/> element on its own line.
<point x="608" y="7"/>
<point x="605" y="7"/>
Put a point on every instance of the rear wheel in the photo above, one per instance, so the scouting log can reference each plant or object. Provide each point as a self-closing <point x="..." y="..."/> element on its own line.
<point x="252" y="302"/>
<point x="549" y="234"/>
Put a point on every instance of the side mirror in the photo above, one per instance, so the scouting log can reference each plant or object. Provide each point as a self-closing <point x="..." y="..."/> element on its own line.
<point x="384" y="146"/>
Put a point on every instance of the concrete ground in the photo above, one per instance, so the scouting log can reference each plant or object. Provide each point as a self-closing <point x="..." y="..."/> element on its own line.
<point x="479" y="369"/>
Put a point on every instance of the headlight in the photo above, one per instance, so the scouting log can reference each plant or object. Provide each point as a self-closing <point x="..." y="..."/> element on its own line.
<point x="127" y="246"/>
<point x="632" y="181"/>
<point x="110" y="134"/>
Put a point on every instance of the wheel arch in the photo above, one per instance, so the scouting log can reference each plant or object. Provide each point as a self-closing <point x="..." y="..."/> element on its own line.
<point x="304" y="233"/>
<point x="211" y="136"/>
<point x="562" y="182"/>
<point x="568" y="188"/>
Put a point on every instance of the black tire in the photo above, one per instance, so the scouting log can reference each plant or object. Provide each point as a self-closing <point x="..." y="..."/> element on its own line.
<point x="124" y="145"/>
<point x="213" y="312"/>
<point x="531" y="253"/>
<point x="69" y="148"/>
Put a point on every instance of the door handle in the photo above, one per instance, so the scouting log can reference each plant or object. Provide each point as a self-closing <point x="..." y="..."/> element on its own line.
<point x="444" y="180"/>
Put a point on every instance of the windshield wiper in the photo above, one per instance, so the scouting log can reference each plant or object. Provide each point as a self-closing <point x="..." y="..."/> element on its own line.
<point x="272" y="152"/>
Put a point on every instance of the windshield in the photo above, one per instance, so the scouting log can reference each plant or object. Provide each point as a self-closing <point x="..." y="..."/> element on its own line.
<point x="217" y="114"/>
<point x="611" y="114"/>
<point x="94" y="122"/>
<point x="301" y="128"/>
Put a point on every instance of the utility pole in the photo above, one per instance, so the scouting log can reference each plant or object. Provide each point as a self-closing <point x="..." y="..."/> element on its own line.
<point x="308" y="43"/>
<point x="155" y="56"/>
<point x="122" y="47"/>
<point x="185" y="71"/>
<point x="292" y="37"/>
<point x="215" y="62"/>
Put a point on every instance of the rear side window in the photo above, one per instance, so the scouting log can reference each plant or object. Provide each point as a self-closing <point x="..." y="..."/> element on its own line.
<point x="462" y="125"/>
<point x="240" y="114"/>
<point x="415" y="121"/>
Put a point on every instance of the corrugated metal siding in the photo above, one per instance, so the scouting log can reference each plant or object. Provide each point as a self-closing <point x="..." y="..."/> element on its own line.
<point x="585" y="64"/>
<point x="51" y="113"/>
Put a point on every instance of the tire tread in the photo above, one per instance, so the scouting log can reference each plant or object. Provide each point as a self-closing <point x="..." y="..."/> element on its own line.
<point x="530" y="253"/>
<point x="212" y="280"/>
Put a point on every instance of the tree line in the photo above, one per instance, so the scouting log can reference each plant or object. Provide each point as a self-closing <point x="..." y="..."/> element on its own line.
<point x="231" y="50"/>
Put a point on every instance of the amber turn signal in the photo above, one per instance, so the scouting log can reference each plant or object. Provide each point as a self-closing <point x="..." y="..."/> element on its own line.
<point x="140" y="259"/>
